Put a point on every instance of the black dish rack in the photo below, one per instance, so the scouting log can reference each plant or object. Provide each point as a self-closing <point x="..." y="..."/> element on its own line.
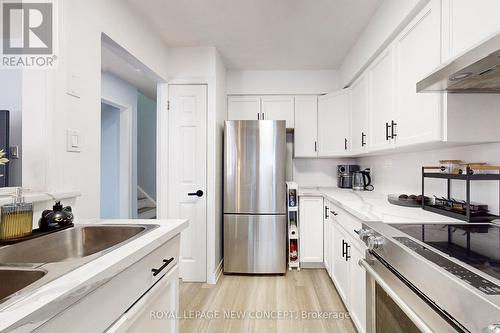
<point x="462" y="210"/>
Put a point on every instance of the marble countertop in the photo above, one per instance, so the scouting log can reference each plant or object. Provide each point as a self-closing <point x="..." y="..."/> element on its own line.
<point x="373" y="206"/>
<point x="39" y="304"/>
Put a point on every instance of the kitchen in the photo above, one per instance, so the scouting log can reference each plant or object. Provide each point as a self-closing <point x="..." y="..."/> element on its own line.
<point x="319" y="167"/>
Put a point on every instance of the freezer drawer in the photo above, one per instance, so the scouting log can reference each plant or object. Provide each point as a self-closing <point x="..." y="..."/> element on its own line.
<point x="255" y="244"/>
<point x="254" y="167"/>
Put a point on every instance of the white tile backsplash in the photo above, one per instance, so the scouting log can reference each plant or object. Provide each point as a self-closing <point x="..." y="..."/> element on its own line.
<point x="317" y="172"/>
<point x="401" y="173"/>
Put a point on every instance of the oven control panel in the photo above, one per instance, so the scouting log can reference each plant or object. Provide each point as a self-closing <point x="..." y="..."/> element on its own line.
<point x="459" y="271"/>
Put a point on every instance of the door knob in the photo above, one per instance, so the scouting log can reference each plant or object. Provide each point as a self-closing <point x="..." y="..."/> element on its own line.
<point x="198" y="193"/>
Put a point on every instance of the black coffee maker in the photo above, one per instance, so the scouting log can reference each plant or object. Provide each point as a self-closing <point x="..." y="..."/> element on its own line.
<point x="344" y="175"/>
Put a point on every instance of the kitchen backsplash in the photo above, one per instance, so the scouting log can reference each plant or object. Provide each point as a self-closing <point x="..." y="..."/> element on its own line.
<point x="401" y="173"/>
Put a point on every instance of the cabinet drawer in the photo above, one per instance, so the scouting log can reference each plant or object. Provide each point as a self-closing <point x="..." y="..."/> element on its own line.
<point x="108" y="302"/>
<point x="348" y="222"/>
<point x="161" y="301"/>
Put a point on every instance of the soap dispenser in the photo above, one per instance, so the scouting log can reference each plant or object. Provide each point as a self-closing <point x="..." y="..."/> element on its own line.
<point x="16" y="218"/>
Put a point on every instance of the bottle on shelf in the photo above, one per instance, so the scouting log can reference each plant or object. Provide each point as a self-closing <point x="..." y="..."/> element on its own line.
<point x="293" y="250"/>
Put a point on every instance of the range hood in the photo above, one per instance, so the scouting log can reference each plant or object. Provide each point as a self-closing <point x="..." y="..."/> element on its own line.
<point x="474" y="71"/>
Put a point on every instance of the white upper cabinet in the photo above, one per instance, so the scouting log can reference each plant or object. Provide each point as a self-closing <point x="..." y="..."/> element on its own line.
<point x="466" y="23"/>
<point x="359" y="108"/>
<point x="417" y="53"/>
<point x="243" y="107"/>
<point x="278" y="108"/>
<point x="261" y="108"/>
<point x="334" y="124"/>
<point x="381" y="76"/>
<point x="306" y="126"/>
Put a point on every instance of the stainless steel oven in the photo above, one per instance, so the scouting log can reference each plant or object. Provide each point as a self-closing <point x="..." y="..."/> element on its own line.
<point x="414" y="284"/>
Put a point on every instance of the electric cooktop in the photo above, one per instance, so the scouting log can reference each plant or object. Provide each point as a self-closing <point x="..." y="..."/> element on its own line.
<point x="477" y="245"/>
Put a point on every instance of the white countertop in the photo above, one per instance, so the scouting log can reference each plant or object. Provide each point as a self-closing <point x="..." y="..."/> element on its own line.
<point x="6" y="195"/>
<point x="373" y="206"/>
<point x="91" y="274"/>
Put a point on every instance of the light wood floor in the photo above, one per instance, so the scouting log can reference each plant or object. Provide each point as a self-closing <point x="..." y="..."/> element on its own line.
<point x="309" y="290"/>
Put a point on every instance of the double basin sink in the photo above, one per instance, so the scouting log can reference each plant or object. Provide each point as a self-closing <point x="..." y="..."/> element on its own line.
<point x="27" y="265"/>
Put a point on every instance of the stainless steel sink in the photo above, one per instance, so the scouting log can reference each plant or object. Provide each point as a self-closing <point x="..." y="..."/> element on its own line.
<point x="14" y="280"/>
<point x="69" y="244"/>
<point x="28" y="265"/>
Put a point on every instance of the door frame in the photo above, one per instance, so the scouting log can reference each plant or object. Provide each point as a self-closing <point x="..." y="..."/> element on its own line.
<point x="213" y="270"/>
<point x="126" y="156"/>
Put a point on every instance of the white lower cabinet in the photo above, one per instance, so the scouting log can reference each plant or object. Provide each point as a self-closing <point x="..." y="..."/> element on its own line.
<point x="340" y="271"/>
<point x="311" y="212"/>
<point x="357" y="288"/>
<point x="155" y="311"/>
<point x="123" y="303"/>
<point x="345" y="252"/>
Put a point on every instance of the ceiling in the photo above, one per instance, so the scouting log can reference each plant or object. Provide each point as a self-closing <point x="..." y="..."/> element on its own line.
<point x="263" y="34"/>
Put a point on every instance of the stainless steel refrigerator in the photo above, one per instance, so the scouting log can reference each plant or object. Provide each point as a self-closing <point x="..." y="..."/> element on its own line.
<point x="255" y="227"/>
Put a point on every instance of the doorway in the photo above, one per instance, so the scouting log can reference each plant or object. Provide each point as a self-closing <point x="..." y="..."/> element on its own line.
<point x="110" y="161"/>
<point x="188" y="175"/>
<point x="128" y="188"/>
<point x="116" y="160"/>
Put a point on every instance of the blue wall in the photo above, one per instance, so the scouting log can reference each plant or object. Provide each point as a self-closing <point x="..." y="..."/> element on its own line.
<point x="146" y="144"/>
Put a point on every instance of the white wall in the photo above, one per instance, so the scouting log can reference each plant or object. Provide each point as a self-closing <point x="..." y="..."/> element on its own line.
<point x="191" y="62"/>
<point x="146" y="144"/>
<point x="221" y="116"/>
<point x="83" y="23"/>
<point x="282" y="82"/>
<point x="195" y="65"/>
<point x="387" y="21"/>
<point x="401" y="173"/>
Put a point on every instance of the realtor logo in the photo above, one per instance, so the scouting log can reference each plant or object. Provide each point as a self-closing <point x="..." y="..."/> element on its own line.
<point x="28" y="30"/>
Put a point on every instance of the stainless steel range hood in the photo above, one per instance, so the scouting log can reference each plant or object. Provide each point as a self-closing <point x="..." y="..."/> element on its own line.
<point x="474" y="71"/>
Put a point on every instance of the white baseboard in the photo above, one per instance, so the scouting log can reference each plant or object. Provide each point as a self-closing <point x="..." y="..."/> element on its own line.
<point x="214" y="277"/>
<point x="311" y="265"/>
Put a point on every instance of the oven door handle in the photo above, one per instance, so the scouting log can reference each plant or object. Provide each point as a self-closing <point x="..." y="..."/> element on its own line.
<point x="395" y="297"/>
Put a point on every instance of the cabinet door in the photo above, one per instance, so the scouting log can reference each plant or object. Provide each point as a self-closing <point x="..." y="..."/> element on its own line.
<point x="334" y="124"/>
<point x="243" y="107"/>
<point x="326" y="235"/>
<point x="306" y="126"/>
<point x="161" y="299"/>
<point x="357" y="288"/>
<point x="311" y="229"/>
<point x="466" y="23"/>
<point x="418" y="52"/>
<point x="340" y="264"/>
<point x="381" y="76"/>
<point x="360" y="101"/>
<point x="278" y="108"/>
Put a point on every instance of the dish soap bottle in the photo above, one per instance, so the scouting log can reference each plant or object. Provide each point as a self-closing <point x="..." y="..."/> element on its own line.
<point x="16" y="218"/>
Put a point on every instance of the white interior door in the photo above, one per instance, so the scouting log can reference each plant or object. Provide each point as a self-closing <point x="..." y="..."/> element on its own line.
<point x="187" y="174"/>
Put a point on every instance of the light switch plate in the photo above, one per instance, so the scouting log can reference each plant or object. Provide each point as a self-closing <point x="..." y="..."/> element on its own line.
<point x="74" y="85"/>
<point x="73" y="141"/>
